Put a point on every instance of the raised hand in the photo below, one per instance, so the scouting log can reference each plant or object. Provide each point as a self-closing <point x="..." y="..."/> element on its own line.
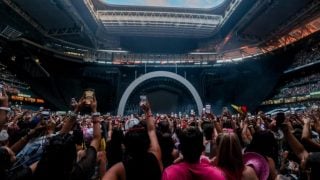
<point x="145" y="107"/>
<point x="73" y="103"/>
<point x="4" y="100"/>
<point x="94" y="105"/>
<point x="77" y="105"/>
<point x="306" y="120"/>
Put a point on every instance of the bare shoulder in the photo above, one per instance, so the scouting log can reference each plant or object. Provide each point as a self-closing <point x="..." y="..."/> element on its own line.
<point x="272" y="166"/>
<point x="116" y="172"/>
<point x="249" y="174"/>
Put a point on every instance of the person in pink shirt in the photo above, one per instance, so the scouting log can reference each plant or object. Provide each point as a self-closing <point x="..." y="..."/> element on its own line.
<point x="191" y="167"/>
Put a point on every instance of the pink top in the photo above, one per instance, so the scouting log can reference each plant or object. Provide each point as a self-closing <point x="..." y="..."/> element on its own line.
<point x="198" y="171"/>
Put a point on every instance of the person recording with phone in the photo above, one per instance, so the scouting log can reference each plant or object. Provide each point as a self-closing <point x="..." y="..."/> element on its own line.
<point x="59" y="160"/>
<point x="8" y="157"/>
<point x="143" y="154"/>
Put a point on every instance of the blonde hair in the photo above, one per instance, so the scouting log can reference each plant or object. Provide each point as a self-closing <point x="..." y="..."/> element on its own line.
<point x="229" y="154"/>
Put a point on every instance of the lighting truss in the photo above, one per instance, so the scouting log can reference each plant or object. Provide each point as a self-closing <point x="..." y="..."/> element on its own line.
<point x="294" y="35"/>
<point x="10" y="33"/>
<point x="159" y="23"/>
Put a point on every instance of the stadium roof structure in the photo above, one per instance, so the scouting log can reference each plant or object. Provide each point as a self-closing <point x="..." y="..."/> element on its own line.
<point x="247" y="26"/>
<point x="205" y="4"/>
<point x="160" y="21"/>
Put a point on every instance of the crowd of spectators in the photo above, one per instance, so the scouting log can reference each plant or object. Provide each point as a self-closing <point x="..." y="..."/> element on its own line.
<point x="13" y="83"/>
<point x="304" y="80"/>
<point x="182" y="109"/>
<point x="299" y="86"/>
<point x="306" y="56"/>
<point x="121" y="57"/>
<point x="298" y="90"/>
<point x="84" y="144"/>
<point x="299" y="105"/>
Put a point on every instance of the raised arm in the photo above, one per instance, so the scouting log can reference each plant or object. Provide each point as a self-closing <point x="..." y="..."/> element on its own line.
<point x="4" y="104"/>
<point x="216" y="123"/>
<point x="95" y="142"/>
<point x="19" y="145"/>
<point x="70" y="120"/>
<point x="245" y="133"/>
<point x="306" y="134"/>
<point x="110" y="130"/>
<point x="295" y="145"/>
<point x="154" y="144"/>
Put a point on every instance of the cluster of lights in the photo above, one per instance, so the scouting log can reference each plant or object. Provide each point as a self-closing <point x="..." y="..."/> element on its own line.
<point x="171" y="62"/>
<point x="196" y="61"/>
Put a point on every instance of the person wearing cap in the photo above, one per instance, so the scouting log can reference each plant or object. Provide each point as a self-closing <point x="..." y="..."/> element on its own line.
<point x="131" y="123"/>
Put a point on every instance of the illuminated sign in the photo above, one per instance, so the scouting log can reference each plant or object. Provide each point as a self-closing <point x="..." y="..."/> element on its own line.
<point x="24" y="95"/>
<point x="27" y="99"/>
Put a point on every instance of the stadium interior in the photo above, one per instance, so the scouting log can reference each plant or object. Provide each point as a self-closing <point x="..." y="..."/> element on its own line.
<point x="168" y="89"/>
<point x="237" y="52"/>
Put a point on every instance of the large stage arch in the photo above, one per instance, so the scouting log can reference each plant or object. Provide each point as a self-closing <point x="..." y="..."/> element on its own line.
<point x="156" y="74"/>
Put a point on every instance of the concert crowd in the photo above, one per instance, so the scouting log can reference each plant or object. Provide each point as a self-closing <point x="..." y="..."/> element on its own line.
<point x="85" y="144"/>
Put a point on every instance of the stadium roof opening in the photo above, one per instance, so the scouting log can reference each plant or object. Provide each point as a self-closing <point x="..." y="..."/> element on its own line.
<point x="204" y="4"/>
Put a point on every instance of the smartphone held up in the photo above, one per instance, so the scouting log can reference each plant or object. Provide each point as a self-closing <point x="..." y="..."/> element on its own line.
<point x="73" y="102"/>
<point x="143" y="101"/>
<point x="88" y="95"/>
<point x="208" y="109"/>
